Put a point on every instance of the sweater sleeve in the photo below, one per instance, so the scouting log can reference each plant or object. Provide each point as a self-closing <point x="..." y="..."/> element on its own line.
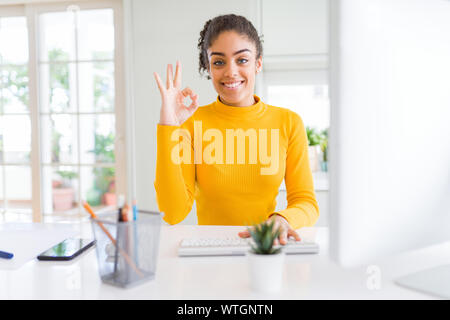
<point x="174" y="182"/>
<point x="302" y="208"/>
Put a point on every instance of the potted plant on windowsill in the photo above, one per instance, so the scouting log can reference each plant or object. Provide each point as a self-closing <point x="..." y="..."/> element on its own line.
<point x="109" y="197"/>
<point x="266" y="262"/>
<point x="63" y="193"/>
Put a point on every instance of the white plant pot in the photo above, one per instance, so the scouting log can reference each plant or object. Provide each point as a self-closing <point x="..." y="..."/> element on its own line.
<point x="313" y="153"/>
<point x="266" y="271"/>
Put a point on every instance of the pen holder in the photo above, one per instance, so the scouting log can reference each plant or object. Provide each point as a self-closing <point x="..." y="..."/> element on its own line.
<point x="127" y="252"/>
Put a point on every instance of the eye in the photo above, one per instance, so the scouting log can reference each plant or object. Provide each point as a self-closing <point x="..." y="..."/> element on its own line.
<point x="218" y="63"/>
<point x="242" y="60"/>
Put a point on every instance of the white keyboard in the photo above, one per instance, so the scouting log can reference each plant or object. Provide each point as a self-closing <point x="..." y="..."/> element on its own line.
<point x="236" y="247"/>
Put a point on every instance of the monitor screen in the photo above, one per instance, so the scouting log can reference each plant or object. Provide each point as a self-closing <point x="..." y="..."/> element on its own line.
<point x="389" y="132"/>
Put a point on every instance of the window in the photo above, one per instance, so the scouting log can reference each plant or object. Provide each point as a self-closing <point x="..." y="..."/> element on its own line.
<point x="61" y="109"/>
<point x="305" y="92"/>
<point x="15" y="116"/>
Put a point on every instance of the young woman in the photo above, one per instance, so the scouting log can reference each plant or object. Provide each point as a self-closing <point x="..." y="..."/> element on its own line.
<point x="231" y="155"/>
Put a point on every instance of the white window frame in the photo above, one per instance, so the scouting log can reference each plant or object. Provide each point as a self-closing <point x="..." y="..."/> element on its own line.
<point x="31" y="10"/>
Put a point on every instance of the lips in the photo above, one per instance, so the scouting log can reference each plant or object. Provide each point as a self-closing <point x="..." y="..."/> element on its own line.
<point x="233" y="84"/>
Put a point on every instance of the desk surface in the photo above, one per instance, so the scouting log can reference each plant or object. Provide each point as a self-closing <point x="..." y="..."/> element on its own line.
<point x="305" y="276"/>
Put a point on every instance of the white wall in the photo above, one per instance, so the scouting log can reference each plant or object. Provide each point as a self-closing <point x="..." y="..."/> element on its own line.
<point x="295" y="27"/>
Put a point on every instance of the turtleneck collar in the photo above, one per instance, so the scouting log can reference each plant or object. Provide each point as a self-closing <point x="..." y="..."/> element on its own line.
<point x="251" y="112"/>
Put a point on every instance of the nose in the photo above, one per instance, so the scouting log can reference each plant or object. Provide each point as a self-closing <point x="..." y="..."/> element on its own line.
<point x="231" y="70"/>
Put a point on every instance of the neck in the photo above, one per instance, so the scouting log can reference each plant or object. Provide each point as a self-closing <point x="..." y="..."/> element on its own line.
<point x="244" y="103"/>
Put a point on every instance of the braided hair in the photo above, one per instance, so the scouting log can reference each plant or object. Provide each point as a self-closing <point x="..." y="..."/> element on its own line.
<point x="214" y="27"/>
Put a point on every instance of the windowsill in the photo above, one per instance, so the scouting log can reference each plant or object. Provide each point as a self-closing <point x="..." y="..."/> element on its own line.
<point x="69" y="216"/>
<point x="320" y="181"/>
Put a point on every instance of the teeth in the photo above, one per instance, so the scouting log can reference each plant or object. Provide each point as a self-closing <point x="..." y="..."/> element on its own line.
<point x="232" y="85"/>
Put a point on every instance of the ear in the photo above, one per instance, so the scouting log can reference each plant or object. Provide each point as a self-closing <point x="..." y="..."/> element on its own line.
<point x="259" y="64"/>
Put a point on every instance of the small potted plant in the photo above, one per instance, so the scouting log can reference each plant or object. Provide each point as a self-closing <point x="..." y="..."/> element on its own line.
<point x="63" y="192"/>
<point x="266" y="261"/>
<point x="109" y="197"/>
<point x="324" y="149"/>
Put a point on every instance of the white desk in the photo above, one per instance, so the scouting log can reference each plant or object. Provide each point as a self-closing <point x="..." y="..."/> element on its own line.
<point x="306" y="276"/>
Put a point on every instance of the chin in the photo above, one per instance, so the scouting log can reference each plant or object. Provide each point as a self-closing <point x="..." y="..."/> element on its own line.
<point x="232" y="99"/>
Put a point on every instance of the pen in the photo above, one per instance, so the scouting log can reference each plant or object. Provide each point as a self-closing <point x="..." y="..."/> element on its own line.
<point x="134" y="210"/>
<point x="6" y="255"/>
<point x="122" y="213"/>
<point x="125" y="213"/>
<point x="135" y="232"/>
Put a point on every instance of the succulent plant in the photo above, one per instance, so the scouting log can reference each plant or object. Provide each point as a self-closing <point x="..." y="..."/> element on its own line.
<point x="263" y="236"/>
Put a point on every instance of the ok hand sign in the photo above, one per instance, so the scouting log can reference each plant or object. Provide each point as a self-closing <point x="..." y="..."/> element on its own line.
<point x="173" y="110"/>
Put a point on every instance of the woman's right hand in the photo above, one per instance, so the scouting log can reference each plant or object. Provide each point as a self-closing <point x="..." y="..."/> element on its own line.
<point x="173" y="110"/>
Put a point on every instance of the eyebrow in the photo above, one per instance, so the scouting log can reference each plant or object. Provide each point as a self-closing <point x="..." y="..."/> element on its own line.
<point x="223" y="55"/>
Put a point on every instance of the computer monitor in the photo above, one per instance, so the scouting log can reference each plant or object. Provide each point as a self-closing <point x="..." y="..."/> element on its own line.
<point x="390" y="128"/>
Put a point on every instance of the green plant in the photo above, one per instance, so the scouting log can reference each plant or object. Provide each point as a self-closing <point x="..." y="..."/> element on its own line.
<point x="264" y="235"/>
<point x="103" y="84"/>
<point x="59" y="78"/>
<point x="324" y="144"/>
<point x="313" y="136"/>
<point x="66" y="177"/>
<point x="14" y="80"/>
<point x="56" y="137"/>
<point x="104" y="176"/>
<point x="104" y="148"/>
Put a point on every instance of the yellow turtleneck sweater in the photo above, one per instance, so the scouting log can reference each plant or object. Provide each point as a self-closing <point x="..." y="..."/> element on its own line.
<point x="232" y="161"/>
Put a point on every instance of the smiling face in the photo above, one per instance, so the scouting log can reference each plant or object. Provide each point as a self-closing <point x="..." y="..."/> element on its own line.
<point x="233" y="67"/>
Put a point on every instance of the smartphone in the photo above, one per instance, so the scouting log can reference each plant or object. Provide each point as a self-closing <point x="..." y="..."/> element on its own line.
<point x="66" y="250"/>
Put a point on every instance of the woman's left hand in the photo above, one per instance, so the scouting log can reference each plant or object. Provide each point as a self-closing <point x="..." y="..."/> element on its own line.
<point x="285" y="230"/>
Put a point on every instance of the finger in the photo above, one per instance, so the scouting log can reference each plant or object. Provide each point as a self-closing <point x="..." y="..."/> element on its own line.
<point x="187" y="92"/>
<point x="283" y="237"/>
<point x="244" y="234"/>
<point x="169" y="76"/>
<point x="294" y="234"/>
<point x="177" y="81"/>
<point x="159" y="82"/>
<point x="194" y="98"/>
<point x="194" y="105"/>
